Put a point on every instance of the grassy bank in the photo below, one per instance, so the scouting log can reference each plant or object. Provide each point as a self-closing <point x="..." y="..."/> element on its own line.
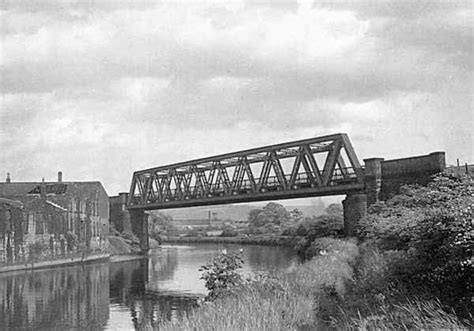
<point x="321" y="293"/>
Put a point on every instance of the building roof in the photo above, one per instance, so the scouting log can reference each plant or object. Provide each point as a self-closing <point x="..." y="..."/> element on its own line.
<point x="55" y="205"/>
<point x="40" y="204"/>
<point x="55" y="188"/>
<point x="19" y="189"/>
<point x="14" y="203"/>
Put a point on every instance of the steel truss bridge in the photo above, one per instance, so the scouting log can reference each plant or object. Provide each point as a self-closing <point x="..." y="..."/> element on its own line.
<point x="306" y="168"/>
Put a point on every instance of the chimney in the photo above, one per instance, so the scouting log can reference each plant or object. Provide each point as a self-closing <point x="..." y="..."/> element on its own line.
<point x="43" y="189"/>
<point x="60" y="176"/>
<point x="8" y="178"/>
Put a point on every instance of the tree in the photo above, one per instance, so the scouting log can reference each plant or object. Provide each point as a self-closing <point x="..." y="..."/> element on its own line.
<point x="296" y="215"/>
<point x="334" y="210"/>
<point x="160" y="224"/>
<point x="273" y="213"/>
<point x="433" y="226"/>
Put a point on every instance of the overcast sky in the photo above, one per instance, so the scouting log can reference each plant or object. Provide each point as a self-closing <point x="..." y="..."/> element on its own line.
<point x="98" y="89"/>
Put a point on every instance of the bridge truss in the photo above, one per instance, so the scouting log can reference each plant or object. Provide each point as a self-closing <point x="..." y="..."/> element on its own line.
<point x="306" y="168"/>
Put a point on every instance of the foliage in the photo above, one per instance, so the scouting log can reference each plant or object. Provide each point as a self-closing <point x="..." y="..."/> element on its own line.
<point x="272" y="213"/>
<point x="37" y="249"/>
<point x="329" y="225"/>
<point x="433" y="226"/>
<point x="284" y="301"/>
<point x="306" y="295"/>
<point x="410" y="315"/>
<point x="161" y="224"/>
<point x="221" y="274"/>
<point x="194" y="232"/>
<point x="229" y="233"/>
<point x="256" y="230"/>
<point x="375" y="299"/>
<point x="71" y="240"/>
<point x="296" y="215"/>
<point x="335" y="211"/>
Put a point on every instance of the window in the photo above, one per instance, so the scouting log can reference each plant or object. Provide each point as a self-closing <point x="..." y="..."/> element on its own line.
<point x="25" y="223"/>
<point x="39" y="224"/>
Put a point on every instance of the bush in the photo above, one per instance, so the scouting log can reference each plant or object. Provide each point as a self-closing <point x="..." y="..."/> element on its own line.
<point x="221" y="274"/>
<point x="374" y="298"/>
<point x="37" y="249"/>
<point x="433" y="226"/>
<point x="229" y="233"/>
<point x="256" y="230"/>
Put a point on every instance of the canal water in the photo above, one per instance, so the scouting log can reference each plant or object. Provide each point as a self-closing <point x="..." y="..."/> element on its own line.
<point x="129" y="295"/>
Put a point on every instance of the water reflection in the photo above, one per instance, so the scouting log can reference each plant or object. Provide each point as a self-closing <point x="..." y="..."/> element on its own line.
<point x="68" y="298"/>
<point x="148" y="305"/>
<point x="127" y="295"/>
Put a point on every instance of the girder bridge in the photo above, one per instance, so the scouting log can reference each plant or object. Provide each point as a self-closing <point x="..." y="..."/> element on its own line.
<point x="306" y="168"/>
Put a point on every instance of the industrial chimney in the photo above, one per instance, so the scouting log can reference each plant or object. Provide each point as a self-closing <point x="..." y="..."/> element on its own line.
<point x="43" y="189"/>
<point x="60" y="176"/>
<point x="8" y="178"/>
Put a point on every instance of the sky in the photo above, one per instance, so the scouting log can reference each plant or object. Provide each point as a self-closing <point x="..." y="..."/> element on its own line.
<point x="99" y="89"/>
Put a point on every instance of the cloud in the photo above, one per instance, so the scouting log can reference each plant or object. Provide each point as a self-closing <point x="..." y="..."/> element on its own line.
<point x="99" y="89"/>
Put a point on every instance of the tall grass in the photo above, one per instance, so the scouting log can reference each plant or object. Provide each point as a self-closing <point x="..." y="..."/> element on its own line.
<point x="375" y="300"/>
<point x="287" y="301"/>
<point x="413" y="314"/>
<point x="336" y="289"/>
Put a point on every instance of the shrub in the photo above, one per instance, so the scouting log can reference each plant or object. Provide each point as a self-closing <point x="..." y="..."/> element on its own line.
<point x="221" y="274"/>
<point x="37" y="249"/>
<point x="252" y="230"/>
<point x="314" y="228"/>
<point x="229" y="233"/>
<point x="433" y="226"/>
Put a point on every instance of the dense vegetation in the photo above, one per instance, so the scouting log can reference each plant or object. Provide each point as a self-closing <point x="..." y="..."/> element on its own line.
<point x="425" y="236"/>
<point x="412" y="268"/>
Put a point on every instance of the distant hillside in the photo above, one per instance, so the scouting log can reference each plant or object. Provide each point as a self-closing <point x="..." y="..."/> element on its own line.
<point x="239" y="212"/>
<point x="234" y="212"/>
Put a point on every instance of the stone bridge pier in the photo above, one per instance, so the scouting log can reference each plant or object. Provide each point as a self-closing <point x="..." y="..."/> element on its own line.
<point x="355" y="210"/>
<point x="139" y="220"/>
<point x="355" y="205"/>
<point x="383" y="179"/>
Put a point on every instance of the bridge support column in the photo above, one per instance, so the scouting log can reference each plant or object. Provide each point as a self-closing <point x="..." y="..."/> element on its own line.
<point x="139" y="220"/>
<point x="355" y="209"/>
<point x="373" y="179"/>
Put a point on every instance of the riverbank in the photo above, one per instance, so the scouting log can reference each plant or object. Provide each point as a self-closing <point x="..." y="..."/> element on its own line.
<point x="249" y="240"/>
<point x="126" y="249"/>
<point x="60" y="261"/>
<point x="120" y="249"/>
<point x="319" y="294"/>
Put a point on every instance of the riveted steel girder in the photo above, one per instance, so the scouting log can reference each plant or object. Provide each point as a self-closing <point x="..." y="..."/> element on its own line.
<point x="314" y="167"/>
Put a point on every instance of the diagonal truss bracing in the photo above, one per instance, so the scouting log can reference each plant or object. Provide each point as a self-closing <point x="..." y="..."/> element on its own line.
<point x="313" y="167"/>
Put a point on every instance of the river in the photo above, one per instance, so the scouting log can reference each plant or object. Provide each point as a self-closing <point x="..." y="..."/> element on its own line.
<point x="124" y="295"/>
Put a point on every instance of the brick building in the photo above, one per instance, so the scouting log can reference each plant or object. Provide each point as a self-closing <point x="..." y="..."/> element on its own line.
<point x="63" y="216"/>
